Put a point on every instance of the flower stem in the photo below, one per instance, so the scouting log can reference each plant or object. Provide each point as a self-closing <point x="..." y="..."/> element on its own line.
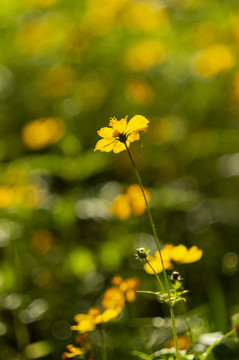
<point x="103" y="350"/>
<point x="160" y="254"/>
<point x="158" y="279"/>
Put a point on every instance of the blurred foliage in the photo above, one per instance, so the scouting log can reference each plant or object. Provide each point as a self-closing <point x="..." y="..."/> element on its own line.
<point x="65" y="69"/>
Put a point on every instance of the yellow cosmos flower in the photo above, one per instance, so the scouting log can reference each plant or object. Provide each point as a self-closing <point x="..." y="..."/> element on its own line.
<point x="73" y="351"/>
<point x="88" y="322"/>
<point x="120" y="133"/>
<point x="172" y="254"/>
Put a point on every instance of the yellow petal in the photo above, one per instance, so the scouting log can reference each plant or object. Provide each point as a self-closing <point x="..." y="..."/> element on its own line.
<point x="121" y="207"/>
<point x="179" y="253"/>
<point x="105" y="145"/>
<point x="106" y="132"/>
<point x="134" y="136"/>
<point x="137" y="123"/>
<point x="194" y="254"/>
<point x="120" y="126"/>
<point x="107" y="315"/>
<point x="118" y="147"/>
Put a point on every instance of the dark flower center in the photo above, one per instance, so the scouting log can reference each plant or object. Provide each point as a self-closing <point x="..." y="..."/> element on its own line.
<point x="122" y="138"/>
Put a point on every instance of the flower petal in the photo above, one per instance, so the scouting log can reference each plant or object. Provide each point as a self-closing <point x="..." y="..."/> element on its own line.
<point x="120" y="125"/>
<point x="133" y="136"/>
<point x="105" y="144"/>
<point x="137" y="123"/>
<point x="194" y="254"/>
<point x="118" y="147"/>
<point x="106" y="132"/>
<point x="179" y="253"/>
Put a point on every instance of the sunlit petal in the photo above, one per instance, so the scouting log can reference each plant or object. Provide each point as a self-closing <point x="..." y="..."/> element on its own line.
<point x="105" y="132"/>
<point x="118" y="147"/>
<point x="179" y="253"/>
<point x="105" y="145"/>
<point x="120" y="126"/>
<point x="133" y="136"/>
<point x="194" y="254"/>
<point x="137" y="123"/>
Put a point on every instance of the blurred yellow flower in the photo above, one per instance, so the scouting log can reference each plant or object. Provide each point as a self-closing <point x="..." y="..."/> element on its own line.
<point x="146" y="16"/>
<point x="123" y="290"/>
<point x="40" y="35"/>
<point x="25" y="196"/>
<point x="72" y="351"/>
<point x="88" y="322"/>
<point x="215" y="59"/>
<point x="42" y="132"/>
<point x="170" y="254"/>
<point x="145" y="54"/>
<point x="139" y="91"/>
<point x="130" y="202"/>
<point x="57" y="81"/>
<point x="120" y="133"/>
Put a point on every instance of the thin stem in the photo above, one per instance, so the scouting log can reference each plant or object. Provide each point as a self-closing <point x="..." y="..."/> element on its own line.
<point x="159" y="249"/>
<point x="158" y="279"/>
<point x="174" y="331"/>
<point x="103" y="350"/>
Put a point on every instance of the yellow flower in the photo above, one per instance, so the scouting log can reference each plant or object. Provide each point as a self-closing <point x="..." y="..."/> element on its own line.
<point x="123" y="290"/>
<point x="156" y="263"/>
<point x="137" y="200"/>
<point x="170" y="253"/>
<point x="130" y="202"/>
<point x="73" y="351"/>
<point x="215" y="59"/>
<point x="182" y="255"/>
<point x="120" y="133"/>
<point x="42" y="132"/>
<point x="88" y="322"/>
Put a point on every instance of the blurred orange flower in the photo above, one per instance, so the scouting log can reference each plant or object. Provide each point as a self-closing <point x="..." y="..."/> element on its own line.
<point x="130" y="202"/>
<point x="124" y="290"/>
<point x="120" y="133"/>
<point x="170" y="254"/>
<point x="42" y="132"/>
<point x="184" y="342"/>
<point x="72" y="351"/>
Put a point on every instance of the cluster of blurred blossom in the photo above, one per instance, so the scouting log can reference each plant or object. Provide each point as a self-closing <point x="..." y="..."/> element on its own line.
<point x="113" y="302"/>
<point x="18" y="190"/>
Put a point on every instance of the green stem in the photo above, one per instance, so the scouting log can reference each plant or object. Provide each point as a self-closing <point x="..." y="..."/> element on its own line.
<point x="158" y="279"/>
<point x="209" y="350"/>
<point x="174" y="331"/>
<point x="159" y="249"/>
<point x="103" y="350"/>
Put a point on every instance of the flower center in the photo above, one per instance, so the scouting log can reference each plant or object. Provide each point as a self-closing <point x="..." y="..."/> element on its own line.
<point x="122" y="138"/>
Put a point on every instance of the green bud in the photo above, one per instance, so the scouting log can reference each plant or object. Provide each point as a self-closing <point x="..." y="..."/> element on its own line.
<point x="142" y="253"/>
